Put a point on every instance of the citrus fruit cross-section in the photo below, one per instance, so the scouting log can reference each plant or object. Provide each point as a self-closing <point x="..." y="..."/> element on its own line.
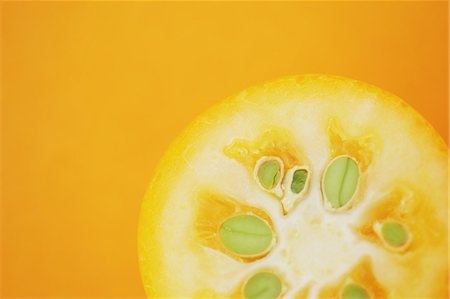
<point x="305" y="187"/>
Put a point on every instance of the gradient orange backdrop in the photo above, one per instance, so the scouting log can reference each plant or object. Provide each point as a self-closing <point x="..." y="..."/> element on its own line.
<point x="93" y="93"/>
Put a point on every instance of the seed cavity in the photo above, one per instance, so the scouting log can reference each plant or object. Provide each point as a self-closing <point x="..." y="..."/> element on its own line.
<point x="269" y="173"/>
<point x="354" y="291"/>
<point x="299" y="180"/>
<point x="263" y="285"/>
<point x="295" y="185"/>
<point x="340" y="181"/>
<point x="394" y="235"/>
<point x="246" y="235"/>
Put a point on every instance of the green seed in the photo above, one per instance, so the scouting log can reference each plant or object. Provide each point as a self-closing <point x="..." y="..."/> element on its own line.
<point x="340" y="181"/>
<point x="299" y="180"/>
<point x="354" y="291"/>
<point x="394" y="234"/>
<point x="263" y="285"/>
<point x="246" y="235"/>
<point x="269" y="174"/>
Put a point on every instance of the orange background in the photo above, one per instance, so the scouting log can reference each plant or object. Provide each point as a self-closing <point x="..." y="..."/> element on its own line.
<point x="94" y="92"/>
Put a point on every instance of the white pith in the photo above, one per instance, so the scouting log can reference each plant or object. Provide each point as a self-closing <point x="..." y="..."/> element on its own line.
<point x="314" y="245"/>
